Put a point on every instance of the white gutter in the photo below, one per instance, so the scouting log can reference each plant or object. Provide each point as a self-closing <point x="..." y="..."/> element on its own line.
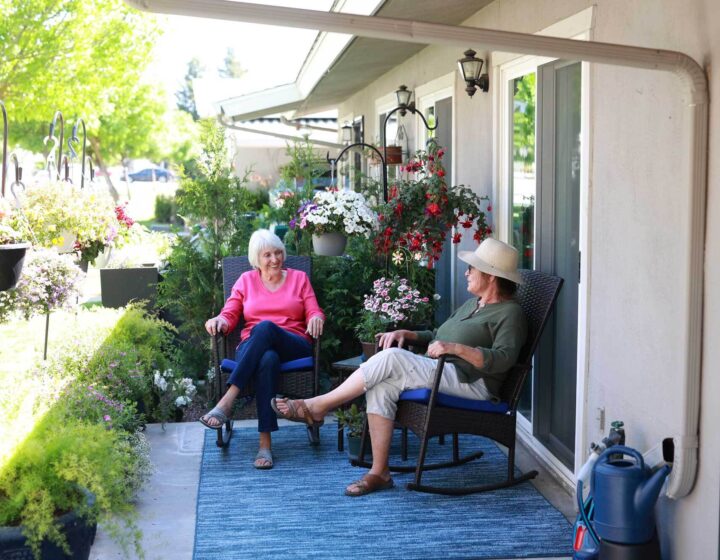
<point x="682" y="477"/>
<point x="232" y="126"/>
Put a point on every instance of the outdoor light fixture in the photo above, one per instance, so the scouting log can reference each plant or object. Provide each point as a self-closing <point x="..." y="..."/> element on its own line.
<point x="470" y="67"/>
<point x="403" y="95"/>
<point x="347" y="130"/>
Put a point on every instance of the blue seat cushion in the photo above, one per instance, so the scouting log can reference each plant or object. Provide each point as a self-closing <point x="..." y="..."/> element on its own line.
<point x="423" y="396"/>
<point x="300" y="364"/>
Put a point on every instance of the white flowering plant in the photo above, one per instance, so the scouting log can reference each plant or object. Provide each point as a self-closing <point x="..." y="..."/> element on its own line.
<point x="60" y="210"/>
<point x="393" y="303"/>
<point x="49" y="281"/>
<point x="11" y="226"/>
<point x="173" y="393"/>
<point x="336" y="210"/>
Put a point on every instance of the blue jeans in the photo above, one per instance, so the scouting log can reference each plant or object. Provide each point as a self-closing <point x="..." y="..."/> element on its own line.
<point x="259" y="357"/>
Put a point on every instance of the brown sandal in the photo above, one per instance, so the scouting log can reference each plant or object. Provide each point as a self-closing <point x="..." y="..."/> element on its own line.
<point x="298" y="412"/>
<point x="368" y="484"/>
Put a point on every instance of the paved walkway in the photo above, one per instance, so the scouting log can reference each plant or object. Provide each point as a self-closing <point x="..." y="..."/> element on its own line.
<point x="166" y="506"/>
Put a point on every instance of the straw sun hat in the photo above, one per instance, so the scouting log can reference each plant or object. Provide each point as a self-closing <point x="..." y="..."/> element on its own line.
<point x="494" y="257"/>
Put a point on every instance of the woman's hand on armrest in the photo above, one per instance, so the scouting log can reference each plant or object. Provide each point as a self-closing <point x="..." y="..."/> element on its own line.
<point x="388" y="339"/>
<point x="315" y="327"/>
<point x="474" y="356"/>
<point x="216" y="325"/>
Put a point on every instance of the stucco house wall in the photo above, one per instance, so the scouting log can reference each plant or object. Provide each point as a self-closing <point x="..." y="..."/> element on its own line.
<point x="637" y="225"/>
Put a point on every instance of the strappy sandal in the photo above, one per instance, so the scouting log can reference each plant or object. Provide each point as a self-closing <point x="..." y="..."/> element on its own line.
<point x="216" y="413"/>
<point x="298" y="412"/>
<point x="265" y="455"/>
<point x="368" y="484"/>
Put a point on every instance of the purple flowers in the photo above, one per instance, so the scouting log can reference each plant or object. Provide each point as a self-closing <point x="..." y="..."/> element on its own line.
<point x="49" y="281"/>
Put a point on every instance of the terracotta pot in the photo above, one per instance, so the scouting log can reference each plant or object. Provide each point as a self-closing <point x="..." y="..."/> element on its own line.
<point x="369" y="349"/>
<point x="393" y="155"/>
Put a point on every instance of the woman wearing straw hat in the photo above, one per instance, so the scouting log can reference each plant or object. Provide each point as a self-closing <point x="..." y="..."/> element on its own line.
<point x="484" y="337"/>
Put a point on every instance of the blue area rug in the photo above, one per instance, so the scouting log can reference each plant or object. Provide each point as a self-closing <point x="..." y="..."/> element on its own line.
<point x="298" y="509"/>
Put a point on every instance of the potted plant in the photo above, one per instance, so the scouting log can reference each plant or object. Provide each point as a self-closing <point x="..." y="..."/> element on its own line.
<point x="367" y="329"/>
<point x="61" y="477"/>
<point x="132" y="274"/>
<point x="70" y="219"/>
<point x="50" y="282"/>
<point x="423" y="208"/>
<point x="352" y="419"/>
<point x="13" y="246"/>
<point x="395" y="304"/>
<point x="333" y="215"/>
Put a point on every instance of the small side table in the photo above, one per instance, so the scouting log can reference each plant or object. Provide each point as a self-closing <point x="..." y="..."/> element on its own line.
<point x="344" y="369"/>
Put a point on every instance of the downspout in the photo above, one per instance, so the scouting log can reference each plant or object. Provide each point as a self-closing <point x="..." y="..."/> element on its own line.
<point x="682" y="477"/>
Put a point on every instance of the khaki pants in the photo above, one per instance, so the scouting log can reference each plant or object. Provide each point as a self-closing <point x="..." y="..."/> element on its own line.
<point x="392" y="371"/>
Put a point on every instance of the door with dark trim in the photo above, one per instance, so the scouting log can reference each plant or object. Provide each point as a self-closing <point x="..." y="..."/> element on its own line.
<point x="557" y="251"/>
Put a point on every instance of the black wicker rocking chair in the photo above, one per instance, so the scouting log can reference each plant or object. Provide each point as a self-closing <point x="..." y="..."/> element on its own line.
<point x="299" y="379"/>
<point x="429" y="413"/>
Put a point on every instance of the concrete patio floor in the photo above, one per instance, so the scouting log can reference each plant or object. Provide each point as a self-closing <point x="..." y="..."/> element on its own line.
<point x="166" y="506"/>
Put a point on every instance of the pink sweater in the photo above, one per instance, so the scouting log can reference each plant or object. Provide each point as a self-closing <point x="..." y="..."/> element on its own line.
<point x="290" y="307"/>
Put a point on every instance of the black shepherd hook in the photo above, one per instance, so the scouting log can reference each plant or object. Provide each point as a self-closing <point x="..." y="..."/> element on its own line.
<point x="4" y="156"/>
<point x="92" y="169"/>
<point x="333" y="162"/>
<point x="73" y="153"/>
<point x="65" y="164"/>
<point x="51" y="137"/>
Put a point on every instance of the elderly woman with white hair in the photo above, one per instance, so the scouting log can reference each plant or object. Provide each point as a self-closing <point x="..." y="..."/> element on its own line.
<point x="281" y="316"/>
<point x="482" y="339"/>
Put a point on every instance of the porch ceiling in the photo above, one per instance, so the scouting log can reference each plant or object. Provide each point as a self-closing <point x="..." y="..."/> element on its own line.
<point x="366" y="59"/>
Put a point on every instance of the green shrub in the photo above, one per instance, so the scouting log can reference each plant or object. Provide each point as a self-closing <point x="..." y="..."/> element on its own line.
<point x="60" y="456"/>
<point x="165" y="210"/>
<point x="222" y="214"/>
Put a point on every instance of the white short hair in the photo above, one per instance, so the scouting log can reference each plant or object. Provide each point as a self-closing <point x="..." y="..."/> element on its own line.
<point x="259" y="241"/>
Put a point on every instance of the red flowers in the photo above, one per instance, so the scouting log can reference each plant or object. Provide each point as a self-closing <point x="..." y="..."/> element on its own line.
<point x="433" y="209"/>
<point x="423" y="210"/>
<point x="122" y="217"/>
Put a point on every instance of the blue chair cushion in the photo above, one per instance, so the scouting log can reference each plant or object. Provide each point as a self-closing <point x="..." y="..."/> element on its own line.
<point x="423" y="396"/>
<point x="293" y="365"/>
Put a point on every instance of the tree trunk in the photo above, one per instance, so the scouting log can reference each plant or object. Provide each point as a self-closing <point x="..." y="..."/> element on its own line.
<point x="95" y="146"/>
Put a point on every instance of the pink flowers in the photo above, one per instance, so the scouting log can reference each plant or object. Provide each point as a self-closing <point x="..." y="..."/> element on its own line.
<point x="396" y="302"/>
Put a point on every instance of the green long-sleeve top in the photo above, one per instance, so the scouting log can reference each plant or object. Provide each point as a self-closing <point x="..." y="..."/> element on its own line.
<point x="499" y="330"/>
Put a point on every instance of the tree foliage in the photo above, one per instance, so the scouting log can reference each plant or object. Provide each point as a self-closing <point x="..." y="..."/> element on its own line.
<point x="231" y="68"/>
<point x="87" y="59"/>
<point x="185" y="96"/>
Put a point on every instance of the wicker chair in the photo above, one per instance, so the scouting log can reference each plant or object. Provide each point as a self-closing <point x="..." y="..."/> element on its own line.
<point x="299" y="379"/>
<point x="429" y="413"/>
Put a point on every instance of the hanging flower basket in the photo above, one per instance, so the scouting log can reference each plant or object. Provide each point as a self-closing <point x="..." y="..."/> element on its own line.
<point x="12" y="257"/>
<point x="332" y="216"/>
<point x="329" y="244"/>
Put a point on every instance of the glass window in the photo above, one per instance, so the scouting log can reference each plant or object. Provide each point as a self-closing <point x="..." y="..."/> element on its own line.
<point x="523" y="184"/>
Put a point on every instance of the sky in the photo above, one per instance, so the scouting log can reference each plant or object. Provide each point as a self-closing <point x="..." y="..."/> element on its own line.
<point x="271" y="55"/>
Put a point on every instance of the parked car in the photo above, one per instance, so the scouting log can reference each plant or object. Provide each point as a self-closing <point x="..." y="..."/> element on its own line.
<point x="152" y="174"/>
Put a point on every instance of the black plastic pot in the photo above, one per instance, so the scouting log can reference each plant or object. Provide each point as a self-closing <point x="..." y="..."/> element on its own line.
<point x="79" y="534"/>
<point x="120" y="286"/>
<point x="12" y="257"/>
